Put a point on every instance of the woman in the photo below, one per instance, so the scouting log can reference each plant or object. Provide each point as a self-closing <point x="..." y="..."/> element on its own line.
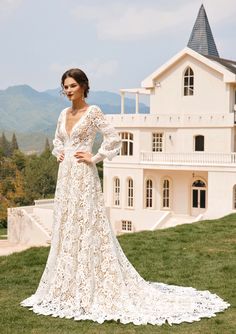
<point x="87" y="275"/>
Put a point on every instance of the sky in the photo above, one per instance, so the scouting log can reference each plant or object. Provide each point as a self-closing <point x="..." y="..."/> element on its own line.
<point x="117" y="43"/>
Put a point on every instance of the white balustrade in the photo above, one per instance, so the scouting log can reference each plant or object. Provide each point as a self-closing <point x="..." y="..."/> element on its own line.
<point x="196" y="158"/>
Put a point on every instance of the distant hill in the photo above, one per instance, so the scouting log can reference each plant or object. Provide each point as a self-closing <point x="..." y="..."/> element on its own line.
<point x="26" y="110"/>
<point x="32" y="115"/>
<point x="108" y="101"/>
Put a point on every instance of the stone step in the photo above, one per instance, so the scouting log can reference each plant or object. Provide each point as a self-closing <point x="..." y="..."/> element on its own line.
<point x="39" y="221"/>
<point x="175" y="220"/>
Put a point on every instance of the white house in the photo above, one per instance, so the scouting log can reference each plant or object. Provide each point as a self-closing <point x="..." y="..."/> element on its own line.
<point x="178" y="163"/>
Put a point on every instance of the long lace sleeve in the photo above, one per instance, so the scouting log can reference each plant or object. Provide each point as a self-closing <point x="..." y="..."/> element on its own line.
<point x="58" y="142"/>
<point x="111" y="144"/>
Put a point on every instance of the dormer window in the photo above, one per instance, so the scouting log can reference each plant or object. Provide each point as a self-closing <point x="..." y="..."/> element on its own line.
<point x="188" y="82"/>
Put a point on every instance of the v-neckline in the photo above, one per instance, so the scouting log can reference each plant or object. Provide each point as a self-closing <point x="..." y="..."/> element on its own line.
<point x="76" y="123"/>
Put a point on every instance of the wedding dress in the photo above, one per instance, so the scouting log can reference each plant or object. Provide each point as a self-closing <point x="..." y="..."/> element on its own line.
<point x="87" y="275"/>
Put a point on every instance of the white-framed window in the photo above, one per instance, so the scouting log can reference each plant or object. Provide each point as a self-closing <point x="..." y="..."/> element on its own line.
<point x="149" y="193"/>
<point x="188" y="82"/>
<point x="199" y="143"/>
<point x="130" y="193"/>
<point x="234" y="197"/>
<point x="127" y="140"/>
<point x="126" y="225"/>
<point x="116" y="191"/>
<point x="166" y="194"/>
<point x="157" y="142"/>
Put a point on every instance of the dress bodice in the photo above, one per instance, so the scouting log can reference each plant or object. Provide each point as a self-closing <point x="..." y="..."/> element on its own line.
<point x="83" y="134"/>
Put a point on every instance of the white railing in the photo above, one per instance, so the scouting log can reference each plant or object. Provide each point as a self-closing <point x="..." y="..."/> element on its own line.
<point x="196" y="158"/>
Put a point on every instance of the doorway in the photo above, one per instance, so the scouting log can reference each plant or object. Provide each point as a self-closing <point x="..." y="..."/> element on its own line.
<point x="198" y="197"/>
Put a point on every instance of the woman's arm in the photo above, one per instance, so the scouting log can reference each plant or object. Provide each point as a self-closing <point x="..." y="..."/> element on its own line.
<point x="111" y="144"/>
<point x="58" y="141"/>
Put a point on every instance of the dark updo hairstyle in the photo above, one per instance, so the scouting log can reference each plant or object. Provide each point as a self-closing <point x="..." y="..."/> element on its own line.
<point x="79" y="76"/>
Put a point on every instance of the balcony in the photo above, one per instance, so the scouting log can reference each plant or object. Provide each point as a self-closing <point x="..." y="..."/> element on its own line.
<point x="196" y="159"/>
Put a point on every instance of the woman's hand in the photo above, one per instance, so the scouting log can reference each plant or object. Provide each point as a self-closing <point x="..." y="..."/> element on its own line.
<point x="61" y="157"/>
<point x="83" y="156"/>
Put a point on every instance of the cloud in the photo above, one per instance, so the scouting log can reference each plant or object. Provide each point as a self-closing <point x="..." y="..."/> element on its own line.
<point x="219" y="10"/>
<point x="7" y="7"/>
<point x="95" y="68"/>
<point x="141" y="20"/>
<point x="60" y="68"/>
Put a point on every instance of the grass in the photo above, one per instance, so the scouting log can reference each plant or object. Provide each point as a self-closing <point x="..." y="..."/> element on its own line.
<point x="3" y="233"/>
<point x="201" y="255"/>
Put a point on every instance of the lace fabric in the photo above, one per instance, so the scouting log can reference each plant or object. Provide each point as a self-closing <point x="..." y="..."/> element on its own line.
<point x="87" y="275"/>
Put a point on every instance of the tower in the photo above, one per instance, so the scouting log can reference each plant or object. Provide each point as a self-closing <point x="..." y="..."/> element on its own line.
<point x="201" y="39"/>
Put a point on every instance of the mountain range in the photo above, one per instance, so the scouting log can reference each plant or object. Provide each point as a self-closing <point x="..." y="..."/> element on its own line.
<point x="32" y="115"/>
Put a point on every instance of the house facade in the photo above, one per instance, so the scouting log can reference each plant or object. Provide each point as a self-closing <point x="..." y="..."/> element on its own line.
<point x="177" y="164"/>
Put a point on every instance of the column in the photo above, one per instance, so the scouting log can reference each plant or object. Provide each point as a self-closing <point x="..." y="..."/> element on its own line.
<point x="137" y="103"/>
<point x="122" y="102"/>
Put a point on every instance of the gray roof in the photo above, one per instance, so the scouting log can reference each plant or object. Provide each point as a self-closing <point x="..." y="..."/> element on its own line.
<point x="201" y="39"/>
<point x="228" y="64"/>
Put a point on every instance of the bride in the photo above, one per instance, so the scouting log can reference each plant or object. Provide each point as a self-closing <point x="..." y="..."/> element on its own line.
<point x="87" y="275"/>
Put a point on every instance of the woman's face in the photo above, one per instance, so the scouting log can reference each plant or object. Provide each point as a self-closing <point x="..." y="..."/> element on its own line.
<point x="73" y="90"/>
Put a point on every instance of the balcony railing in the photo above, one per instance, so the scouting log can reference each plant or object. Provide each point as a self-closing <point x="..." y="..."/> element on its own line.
<point x="196" y="158"/>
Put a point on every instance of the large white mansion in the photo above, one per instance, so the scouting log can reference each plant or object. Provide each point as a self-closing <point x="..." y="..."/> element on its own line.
<point x="177" y="164"/>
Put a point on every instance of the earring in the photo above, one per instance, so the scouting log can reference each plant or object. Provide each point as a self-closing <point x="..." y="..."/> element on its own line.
<point x="83" y="98"/>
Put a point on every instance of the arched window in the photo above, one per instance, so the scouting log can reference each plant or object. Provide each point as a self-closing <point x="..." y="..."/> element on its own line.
<point x="149" y="195"/>
<point x="199" y="143"/>
<point x="188" y="82"/>
<point x="234" y="197"/>
<point x="199" y="184"/>
<point x="116" y="191"/>
<point x="127" y="143"/>
<point x="166" y="194"/>
<point x="130" y="197"/>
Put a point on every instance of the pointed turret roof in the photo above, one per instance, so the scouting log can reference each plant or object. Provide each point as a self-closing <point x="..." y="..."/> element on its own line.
<point x="201" y="39"/>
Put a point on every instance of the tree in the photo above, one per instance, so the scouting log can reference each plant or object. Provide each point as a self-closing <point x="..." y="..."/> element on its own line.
<point x="1" y="152"/>
<point x="10" y="185"/>
<point x="47" y="145"/>
<point x="5" y="145"/>
<point x="47" y="150"/>
<point x="19" y="159"/>
<point x="40" y="176"/>
<point x="14" y="144"/>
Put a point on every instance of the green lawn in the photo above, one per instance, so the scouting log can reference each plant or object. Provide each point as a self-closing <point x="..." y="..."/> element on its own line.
<point x="201" y="255"/>
<point x="3" y="233"/>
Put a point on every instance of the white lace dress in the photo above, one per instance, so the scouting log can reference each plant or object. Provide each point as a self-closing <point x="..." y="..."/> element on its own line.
<point x="87" y="275"/>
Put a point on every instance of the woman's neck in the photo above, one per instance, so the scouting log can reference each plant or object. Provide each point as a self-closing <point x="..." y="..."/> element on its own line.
<point x="77" y="105"/>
